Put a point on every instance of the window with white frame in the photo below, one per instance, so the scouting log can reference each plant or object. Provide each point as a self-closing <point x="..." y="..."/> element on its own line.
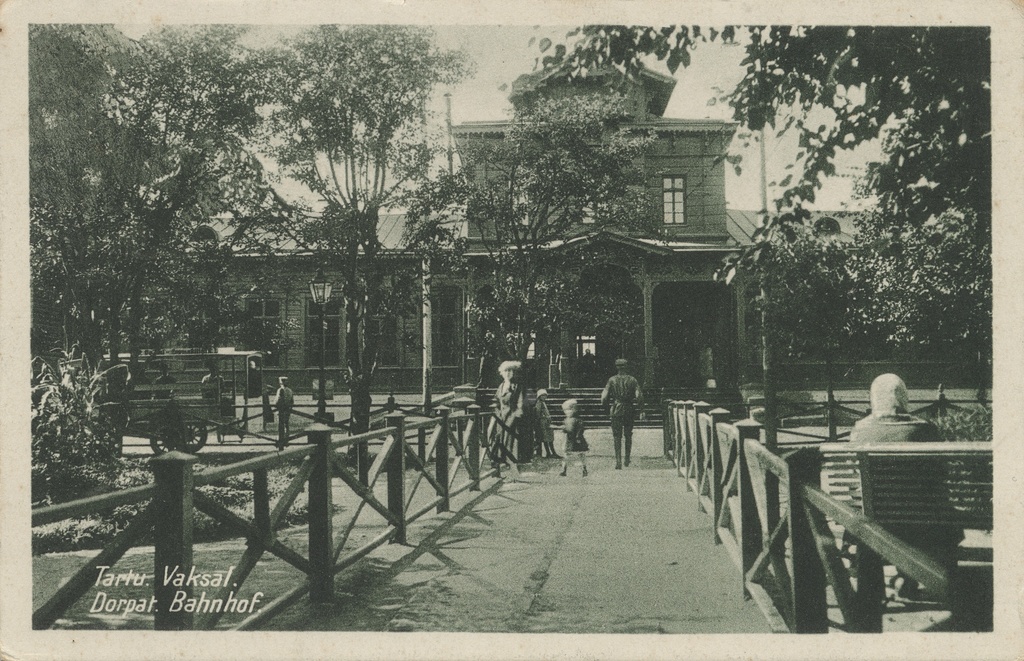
<point x="673" y="192"/>
<point x="586" y="344"/>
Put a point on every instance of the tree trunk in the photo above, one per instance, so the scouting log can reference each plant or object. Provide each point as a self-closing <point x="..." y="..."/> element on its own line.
<point x="771" y="406"/>
<point x="830" y="410"/>
<point x="359" y="381"/>
<point x="135" y="322"/>
<point x="114" y="334"/>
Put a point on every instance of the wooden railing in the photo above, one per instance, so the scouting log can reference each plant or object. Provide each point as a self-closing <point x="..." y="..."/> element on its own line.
<point x="436" y="450"/>
<point x="791" y="539"/>
<point x="830" y="411"/>
<point x="144" y="416"/>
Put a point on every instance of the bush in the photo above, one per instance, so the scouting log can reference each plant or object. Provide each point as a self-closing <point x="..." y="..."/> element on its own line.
<point x="235" y="493"/>
<point x="74" y="445"/>
<point x="966" y="425"/>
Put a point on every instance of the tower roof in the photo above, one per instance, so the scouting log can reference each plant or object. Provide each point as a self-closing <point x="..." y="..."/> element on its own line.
<point x="656" y="87"/>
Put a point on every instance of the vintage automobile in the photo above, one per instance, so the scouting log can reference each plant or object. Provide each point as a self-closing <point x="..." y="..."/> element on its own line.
<point x="180" y="398"/>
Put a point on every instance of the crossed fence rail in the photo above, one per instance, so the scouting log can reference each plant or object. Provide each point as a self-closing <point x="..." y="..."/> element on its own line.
<point x="828" y="413"/>
<point x="787" y="519"/>
<point x="147" y="420"/>
<point x="436" y="450"/>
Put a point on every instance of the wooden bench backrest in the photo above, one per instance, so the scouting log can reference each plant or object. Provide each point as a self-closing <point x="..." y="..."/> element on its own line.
<point x="946" y="484"/>
<point x="840" y="477"/>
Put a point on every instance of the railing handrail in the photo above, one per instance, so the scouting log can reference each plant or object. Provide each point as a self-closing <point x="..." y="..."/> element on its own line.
<point x="90" y="504"/>
<point x="930" y="447"/>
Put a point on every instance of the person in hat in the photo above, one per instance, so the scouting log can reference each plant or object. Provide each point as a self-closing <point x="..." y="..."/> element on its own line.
<point x="623" y="393"/>
<point x="545" y="435"/>
<point x="283" y="403"/>
<point x="211" y="386"/>
<point x="510" y="407"/>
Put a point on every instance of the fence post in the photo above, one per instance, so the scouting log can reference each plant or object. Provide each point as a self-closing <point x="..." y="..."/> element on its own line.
<point x="396" y="475"/>
<point x="363" y="462"/>
<point x="772" y="507"/>
<point x="524" y="431"/>
<point x="321" y="555"/>
<point x="700" y="449"/>
<point x="717" y="472"/>
<point x="261" y="504"/>
<point x="172" y="536"/>
<point x="473" y="447"/>
<point x="942" y="404"/>
<point x="830" y="415"/>
<point x="421" y="444"/>
<point x="808" y="582"/>
<point x="391" y="406"/>
<point x="677" y="431"/>
<point x="687" y="440"/>
<point x="667" y="431"/>
<point x="441" y="458"/>
<point x="460" y="428"/>
<point x="750" y="538"/>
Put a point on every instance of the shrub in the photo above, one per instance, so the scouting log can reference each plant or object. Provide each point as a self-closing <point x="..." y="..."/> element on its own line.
<point x="74" y="447"/>
<point x="235" y="493"/>
<point x="966" y="425"/>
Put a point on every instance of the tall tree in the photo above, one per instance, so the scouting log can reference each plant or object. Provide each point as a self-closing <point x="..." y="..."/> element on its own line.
<point x="348" y="119"/>
<point x="135" y="145"/>
<point x="560" y="162"/>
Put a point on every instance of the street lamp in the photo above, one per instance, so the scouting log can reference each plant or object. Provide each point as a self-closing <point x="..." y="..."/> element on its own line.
<point x="320" y="290"/>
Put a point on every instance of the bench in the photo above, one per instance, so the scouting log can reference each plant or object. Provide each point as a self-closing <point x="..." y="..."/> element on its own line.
<point x="940" y="489"/>
<point x="944" y="484"/>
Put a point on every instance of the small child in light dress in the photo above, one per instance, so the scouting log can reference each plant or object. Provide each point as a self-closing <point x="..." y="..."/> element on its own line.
<point x="575" y="444"/>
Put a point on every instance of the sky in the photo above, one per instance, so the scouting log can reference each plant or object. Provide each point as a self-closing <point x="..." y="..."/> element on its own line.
<point x="500" y="54"/>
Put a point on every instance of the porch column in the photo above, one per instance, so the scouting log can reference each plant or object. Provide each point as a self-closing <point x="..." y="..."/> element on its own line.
<point x="650" y="351"/>
<point x="565" y="361"/>
<point x="738" y="298"/>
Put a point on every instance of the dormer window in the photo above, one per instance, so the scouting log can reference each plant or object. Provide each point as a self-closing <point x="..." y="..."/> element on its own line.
<point x="673" y="192"/>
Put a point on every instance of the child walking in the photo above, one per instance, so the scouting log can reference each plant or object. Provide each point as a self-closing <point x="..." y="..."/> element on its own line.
<point x="575" y="444"/>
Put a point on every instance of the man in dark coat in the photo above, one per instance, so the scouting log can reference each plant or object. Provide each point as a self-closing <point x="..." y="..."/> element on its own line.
<point x="623" y="393"/>
<point x="284" y="402"/>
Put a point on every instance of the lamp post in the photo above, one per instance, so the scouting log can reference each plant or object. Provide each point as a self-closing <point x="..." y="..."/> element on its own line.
<point x="320" y="291"/>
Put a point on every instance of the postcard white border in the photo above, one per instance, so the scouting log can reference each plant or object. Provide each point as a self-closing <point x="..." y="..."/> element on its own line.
<point x="18" y="641"/>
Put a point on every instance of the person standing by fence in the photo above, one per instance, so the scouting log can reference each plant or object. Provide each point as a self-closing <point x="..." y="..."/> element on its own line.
<point x="283" y="403"/>
<point x="210" y="387"/>
<point x="510" y="405"/>
<point x="623" y="393"/>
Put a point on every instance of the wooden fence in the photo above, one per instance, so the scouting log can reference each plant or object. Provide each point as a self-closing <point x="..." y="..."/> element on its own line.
<point x="790" y="538"/>
<point x="827" y="414"/>
<point x="435" y="450"/>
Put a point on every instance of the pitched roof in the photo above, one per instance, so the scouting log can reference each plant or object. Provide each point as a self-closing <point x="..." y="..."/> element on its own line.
<point x="390" y="232"/>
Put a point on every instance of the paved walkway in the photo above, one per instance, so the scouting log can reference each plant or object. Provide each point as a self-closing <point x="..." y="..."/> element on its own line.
<point x="616" y="552"/>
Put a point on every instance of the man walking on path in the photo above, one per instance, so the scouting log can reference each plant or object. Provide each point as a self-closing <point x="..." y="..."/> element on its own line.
<point x="623" y="393"/>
